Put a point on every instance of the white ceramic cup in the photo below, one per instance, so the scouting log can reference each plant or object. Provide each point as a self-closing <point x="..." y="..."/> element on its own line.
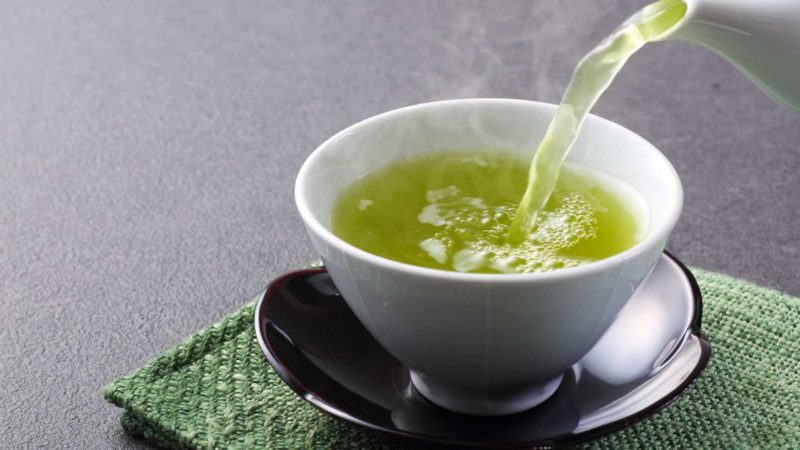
<point x="483" y="344"/>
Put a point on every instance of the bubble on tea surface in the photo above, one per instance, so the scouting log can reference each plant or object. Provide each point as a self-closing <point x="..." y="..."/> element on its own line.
<point x="468" y="260"/>
<point x="435" y="195"/>
<point x="432" y="215"/>
<point x="471" y="234"/>
<point x="365" y="203"/>
<point x="435" y="249"/>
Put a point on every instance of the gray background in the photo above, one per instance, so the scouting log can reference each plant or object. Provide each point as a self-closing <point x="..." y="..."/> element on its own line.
<point x="148" y="151"/>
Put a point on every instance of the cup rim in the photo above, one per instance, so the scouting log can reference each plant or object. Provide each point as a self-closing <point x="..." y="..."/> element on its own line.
<point x="314" y="225"/>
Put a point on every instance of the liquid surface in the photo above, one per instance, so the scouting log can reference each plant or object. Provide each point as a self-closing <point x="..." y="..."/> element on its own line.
<point x="592" y="76"/>
<point x="452" y="211"/>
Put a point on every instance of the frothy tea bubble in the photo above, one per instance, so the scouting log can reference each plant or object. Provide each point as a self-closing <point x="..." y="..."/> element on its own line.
<point x="454" y="211"/>
<point x="472" y="234"/>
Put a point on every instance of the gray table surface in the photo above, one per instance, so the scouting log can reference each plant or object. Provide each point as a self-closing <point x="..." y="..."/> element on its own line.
<point x="148" y="151"/>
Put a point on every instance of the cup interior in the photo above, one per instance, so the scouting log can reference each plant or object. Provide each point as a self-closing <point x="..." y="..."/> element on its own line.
<point x="501" y="124"/>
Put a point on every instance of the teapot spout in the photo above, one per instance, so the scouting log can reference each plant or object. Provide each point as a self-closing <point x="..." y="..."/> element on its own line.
<point x="760" y="37"/>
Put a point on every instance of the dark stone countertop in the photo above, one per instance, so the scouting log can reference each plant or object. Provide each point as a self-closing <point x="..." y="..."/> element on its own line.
<point x="148" y="152"/>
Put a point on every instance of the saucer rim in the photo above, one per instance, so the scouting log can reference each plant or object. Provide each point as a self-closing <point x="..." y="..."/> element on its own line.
<point x="296" y="385"/>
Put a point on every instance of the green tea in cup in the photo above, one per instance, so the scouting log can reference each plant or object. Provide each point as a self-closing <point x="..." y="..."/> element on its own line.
<point x="452" y="211"/>
<point x="488" y="211"/>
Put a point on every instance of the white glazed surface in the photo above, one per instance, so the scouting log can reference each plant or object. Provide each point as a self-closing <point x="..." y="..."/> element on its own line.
<point x="760" y="37"/>
<point x="484" y="344"/>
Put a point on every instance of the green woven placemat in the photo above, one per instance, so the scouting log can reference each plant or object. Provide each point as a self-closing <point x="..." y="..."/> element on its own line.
<point x="216" y="390"/>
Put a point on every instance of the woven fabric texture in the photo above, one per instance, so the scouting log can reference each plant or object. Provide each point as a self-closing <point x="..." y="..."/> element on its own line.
<point x="216" y="390"/>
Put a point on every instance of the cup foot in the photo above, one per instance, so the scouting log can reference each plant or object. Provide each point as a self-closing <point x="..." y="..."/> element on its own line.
<point x="482" y="403"/>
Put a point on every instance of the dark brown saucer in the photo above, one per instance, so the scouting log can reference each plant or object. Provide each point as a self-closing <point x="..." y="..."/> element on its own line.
<point x="651" y="354"/>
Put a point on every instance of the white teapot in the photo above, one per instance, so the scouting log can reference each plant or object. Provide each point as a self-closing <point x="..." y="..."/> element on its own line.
<point x="760" y="37"/>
